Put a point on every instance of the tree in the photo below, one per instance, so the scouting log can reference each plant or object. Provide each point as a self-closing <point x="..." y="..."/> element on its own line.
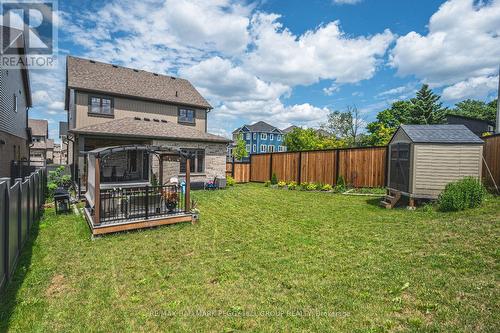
<point x="309" y="139"/>
<point x="240" y="149"/>
<point x="388" y="121"/>
<point x="426" y="108"/>
<point x="344" y="125"/>
<point x="476" y="109"/>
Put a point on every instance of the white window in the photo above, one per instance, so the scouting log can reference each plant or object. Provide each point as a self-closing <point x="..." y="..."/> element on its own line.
<point x="263" y="136"/>
<point x="15" y="103"/>
<point x="278" y="137"/>
<point x="279" y="149"/>
<point x="263" y="148"/>
<point x="247" y="147"/>
<point x="254" y="148"/>
<point x="271" y="148"/>
<point x="248" y="136"/>
<point x="271" y="136"/>
<point x="255" y="136"/>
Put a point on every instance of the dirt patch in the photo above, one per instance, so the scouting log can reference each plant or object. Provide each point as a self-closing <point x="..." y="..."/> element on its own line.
<point x="57" y="286"/>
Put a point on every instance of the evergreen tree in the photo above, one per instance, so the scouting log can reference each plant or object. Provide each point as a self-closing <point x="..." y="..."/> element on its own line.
<point x="426" y="107"/>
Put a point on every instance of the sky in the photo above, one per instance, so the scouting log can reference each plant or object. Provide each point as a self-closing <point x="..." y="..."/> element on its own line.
<point x="285" y="61"/>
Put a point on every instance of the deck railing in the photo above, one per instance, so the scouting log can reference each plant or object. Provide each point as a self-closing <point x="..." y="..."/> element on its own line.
<point x="140" y="203"/>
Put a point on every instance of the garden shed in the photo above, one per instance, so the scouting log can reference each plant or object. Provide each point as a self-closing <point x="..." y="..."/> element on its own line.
<point x="424" y="158"/>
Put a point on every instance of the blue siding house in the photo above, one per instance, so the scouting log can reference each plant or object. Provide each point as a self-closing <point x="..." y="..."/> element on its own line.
<point x="261" y="138"/>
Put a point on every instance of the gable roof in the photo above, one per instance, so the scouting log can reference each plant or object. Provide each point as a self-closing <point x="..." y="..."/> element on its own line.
<point x="39" y="127"/>
<point x="289" y="129"/>
<point x="90" y="75"/>
<point x="260" y="126"/>
<point x="149" y="128"/>
<point x="440" y="134"/>
<point x="10" y="37"/>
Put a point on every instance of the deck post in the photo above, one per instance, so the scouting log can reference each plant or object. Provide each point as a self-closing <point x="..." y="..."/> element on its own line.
<point x="188" y="184"/>
<point x="97" y="192"/>
<point x="160" y="158"/>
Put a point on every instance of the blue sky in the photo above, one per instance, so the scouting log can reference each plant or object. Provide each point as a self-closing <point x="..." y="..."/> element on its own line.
<point x="286" y="62"/>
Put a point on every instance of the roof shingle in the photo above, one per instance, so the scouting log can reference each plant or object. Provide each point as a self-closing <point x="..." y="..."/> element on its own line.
<point x="440" y="134"/>
<point x="97" y="76"/>
<point x="39" y="127"/>
<point x="153" y="129"/>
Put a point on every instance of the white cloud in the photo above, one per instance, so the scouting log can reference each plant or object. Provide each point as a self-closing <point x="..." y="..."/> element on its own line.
<point x="475" y="87"/>
<point x="346" y="2"/>
<point x="222" y="80"/>
<point x="331" y="89"/>
<point x="462" y="42"/>
<point x="325" y="53"/>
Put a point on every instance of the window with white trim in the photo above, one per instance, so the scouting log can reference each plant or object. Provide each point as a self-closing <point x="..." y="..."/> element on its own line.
<point x="247" y="147"/>
<point x="248" y="136"/>
<point x="263" y="136"/>
<point x="271" y="148"/>
<point x="263" y="148"/>
<point x="255" y="136"/>
<point x="254" y="148"/>
<point x="278" y="137"/>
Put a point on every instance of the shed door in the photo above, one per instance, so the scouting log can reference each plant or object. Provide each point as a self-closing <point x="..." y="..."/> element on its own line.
<point x="400" y="167"/>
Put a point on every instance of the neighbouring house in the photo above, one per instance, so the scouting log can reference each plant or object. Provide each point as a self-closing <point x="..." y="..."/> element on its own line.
<point x="15" y="102"/>
<point x="424" y="158"/>
<point x="110" y="105"/>
<point x="259" y="137"/>
<point x="60" y="155"/>
<point x="477" y="126"/>
<point x="289" y="129"/>
<point x="41" y="148"/>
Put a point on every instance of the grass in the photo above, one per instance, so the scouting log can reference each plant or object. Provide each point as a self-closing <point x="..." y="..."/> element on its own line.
<point x="265" y="260"/>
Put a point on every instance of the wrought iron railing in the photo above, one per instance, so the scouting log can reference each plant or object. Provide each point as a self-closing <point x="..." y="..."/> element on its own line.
<point x="140" y="203"/>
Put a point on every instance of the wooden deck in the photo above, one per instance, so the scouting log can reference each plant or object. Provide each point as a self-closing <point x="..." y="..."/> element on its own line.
<point x="111" y="227"/>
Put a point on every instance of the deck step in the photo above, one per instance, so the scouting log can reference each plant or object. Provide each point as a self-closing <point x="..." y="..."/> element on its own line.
<point x="385" y="204"/>
<point x="391" y="199"/>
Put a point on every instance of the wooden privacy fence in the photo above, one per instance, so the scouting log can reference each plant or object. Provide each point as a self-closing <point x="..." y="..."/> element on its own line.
<point x="20" y="206"/>
<point x="491" y="152"/>
<point x="360" y="167"/>
<point x="240" y="171"/>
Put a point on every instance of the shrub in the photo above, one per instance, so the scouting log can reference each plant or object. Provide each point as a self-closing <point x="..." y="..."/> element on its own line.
<point x="274" y="179"/>
<point x="311" y="187"/>
<point x="281" y="184"/>
<point x="465" y="193"/>
<point x="292" y="185"/>
<point x="326" y="187"/>
<point x="267" y="183"/>
<point x="340" y="187"/>
<point x="230" y="181"/>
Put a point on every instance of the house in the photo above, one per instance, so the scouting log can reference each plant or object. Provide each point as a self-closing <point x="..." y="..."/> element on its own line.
<point x="289" y="129"/>
<point x="260" y="137"/>
<point x="110" y="105"/>
<point x="41" y="148"/>
<point x="477" y="126"/>
<point x="423" y="159"/>
<point x="60" y="153"/>
<point x="14" y="105"/>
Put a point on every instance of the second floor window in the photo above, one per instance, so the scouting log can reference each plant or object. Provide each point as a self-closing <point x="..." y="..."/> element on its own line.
<point x="271" y="136"/>
<point x="263" y="136"/>
<point x="186" y="116"/>
<point x="248" y="136"/>
<point x="101" y="105"/>
<point x="255" y="136"/>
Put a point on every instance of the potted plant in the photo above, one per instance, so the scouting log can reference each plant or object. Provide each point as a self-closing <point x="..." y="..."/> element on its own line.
<point x="171" y="200"/>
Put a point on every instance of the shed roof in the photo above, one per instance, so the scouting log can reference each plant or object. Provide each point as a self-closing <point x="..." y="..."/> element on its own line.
<point x="440" y="134"/>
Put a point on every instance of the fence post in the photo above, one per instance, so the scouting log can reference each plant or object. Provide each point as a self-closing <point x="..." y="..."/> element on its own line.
<point x="146" y="203"/>
<point x="232" y="168"/>
<point x="299" y="173"/>
<point x="19" y="214"/>
<point x="337" y="165"/>
<point x="7" y="232"/>
<point x="270" y="166"/>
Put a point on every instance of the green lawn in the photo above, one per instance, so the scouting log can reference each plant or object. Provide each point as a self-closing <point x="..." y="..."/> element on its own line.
<point x="266" y="260"/>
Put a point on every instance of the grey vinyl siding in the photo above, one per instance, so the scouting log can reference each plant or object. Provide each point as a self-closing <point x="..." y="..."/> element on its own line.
<point x="11" y="83"/>
<point x="436" y="165"/>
